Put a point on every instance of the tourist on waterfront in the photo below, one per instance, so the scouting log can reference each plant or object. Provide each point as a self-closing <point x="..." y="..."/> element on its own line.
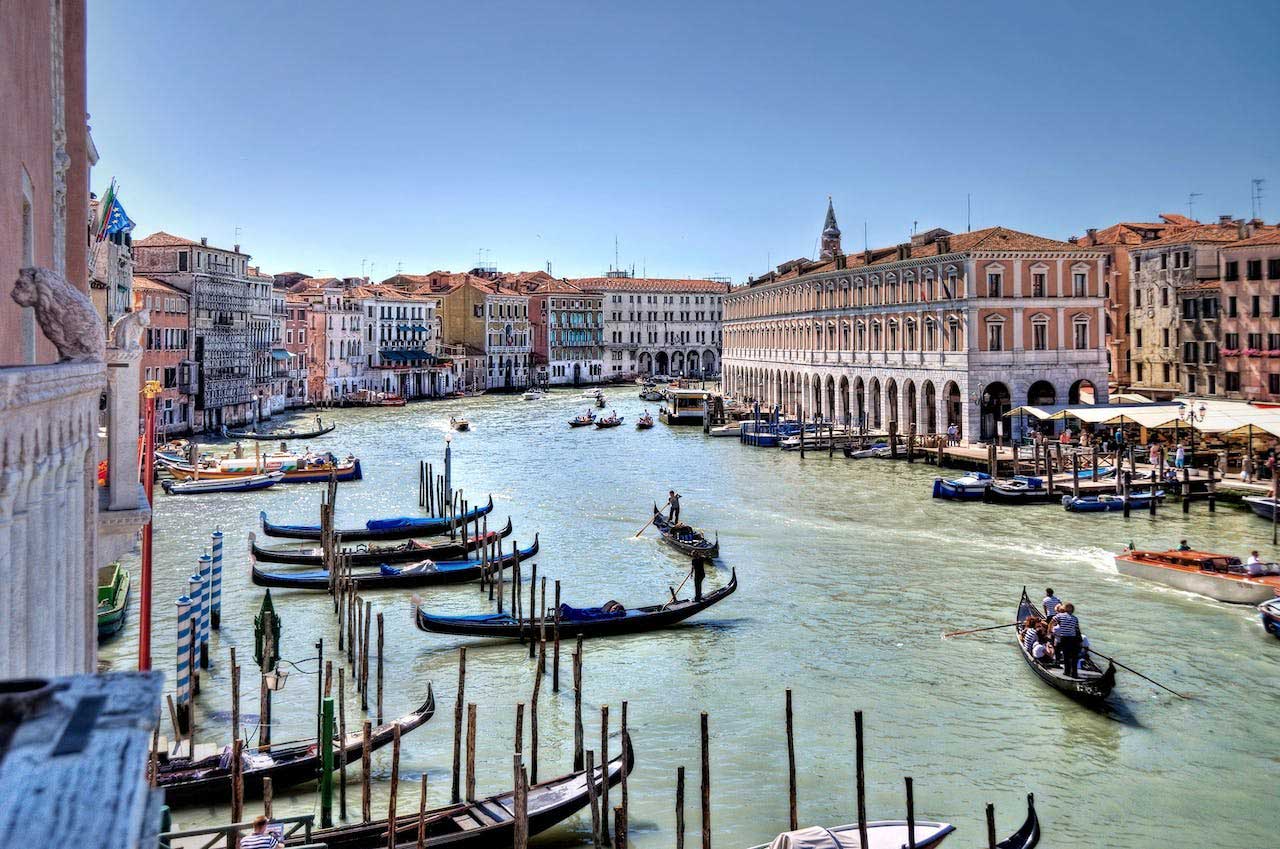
<point x="260" y="838"/>
<point x="1050" y="603"/>
<point x="1153" y="454"/>
<point x="699" y="573"/>
<point x="1086" y="437"/>
<point x="673" y="501"/>
<point x="1118" y="439"/>
<point x="1065" y="438"/>
<point x="1246" y="469"/>
<point x="953" y="434"/>
<point x="1066" y="628"/>
<point x="1180" y="456"/>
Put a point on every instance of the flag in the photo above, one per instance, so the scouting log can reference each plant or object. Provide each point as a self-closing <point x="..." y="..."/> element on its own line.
<point x="108" y="201"/>
<point x="117" y="220"/>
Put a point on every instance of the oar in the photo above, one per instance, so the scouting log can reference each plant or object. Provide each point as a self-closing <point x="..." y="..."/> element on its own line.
<point x="976" y="630"/>
<point x="676" y="592"/>
<point x="1136" y="672"/>
<point x="647" y="524"/>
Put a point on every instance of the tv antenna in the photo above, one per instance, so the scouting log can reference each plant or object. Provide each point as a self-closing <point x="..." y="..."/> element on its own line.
<point x="1255" y="196"/>
<point x="1191" y="204"/>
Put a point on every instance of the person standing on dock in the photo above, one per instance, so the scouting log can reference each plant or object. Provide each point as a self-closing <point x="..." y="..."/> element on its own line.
<point x="673" y="502"/>
<point x="699" y="573"/>
<point x="1066" y="627"/>
<point x="1180" y="456"/>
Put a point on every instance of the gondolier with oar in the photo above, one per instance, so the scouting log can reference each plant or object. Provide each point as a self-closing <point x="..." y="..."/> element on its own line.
<point x="673" y="502"/>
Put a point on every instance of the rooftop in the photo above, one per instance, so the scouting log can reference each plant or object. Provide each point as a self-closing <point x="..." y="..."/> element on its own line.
<point x="161" y="239"/>
<point x="649" y="284"/>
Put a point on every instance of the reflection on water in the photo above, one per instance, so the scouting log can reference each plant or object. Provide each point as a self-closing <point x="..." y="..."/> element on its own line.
<point x="849" y="574"/>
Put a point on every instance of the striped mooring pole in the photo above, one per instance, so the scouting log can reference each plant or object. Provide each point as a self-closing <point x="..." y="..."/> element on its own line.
<point x="195" y="591"/>
<point x="206" y="604"/>
<point x="215" y="610"/>
<point x="183" y="676"/>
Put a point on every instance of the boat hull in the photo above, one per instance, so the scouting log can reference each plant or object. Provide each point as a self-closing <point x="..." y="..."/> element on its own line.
<point x="1262" y="506"/>
<point x="1091" y="687"/>
<point x="1270" y="612"/>
<point x="699" y="545"/>
<point x="959" y="489"/>
<point x="1233" y="590"/>
<point x="253" y="483"/>
<point x="411" y="528"/>
<point x="405" y="553"/>
<point x="321" y="475"/>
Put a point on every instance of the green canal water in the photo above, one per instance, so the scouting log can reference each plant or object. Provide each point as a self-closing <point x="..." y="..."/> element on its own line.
<point x="849" y="573"/>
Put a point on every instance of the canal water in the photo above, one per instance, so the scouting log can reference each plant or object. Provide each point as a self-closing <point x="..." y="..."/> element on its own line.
<point x="849" y="574"/>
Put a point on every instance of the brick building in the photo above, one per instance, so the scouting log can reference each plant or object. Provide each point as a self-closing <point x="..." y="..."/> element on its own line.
<point x="166" y="357"/>
<point x="567" y="325"/>
<point x="1250" y="320"/>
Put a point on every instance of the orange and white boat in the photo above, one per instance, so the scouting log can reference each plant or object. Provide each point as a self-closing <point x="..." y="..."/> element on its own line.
<point x="1219" y="576"/>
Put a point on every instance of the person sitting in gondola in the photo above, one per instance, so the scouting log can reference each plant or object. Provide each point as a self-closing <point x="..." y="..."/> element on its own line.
<point x="1042" y="651"/>
<point x="1029" y="626"/>
<point x="1182" y="545"/>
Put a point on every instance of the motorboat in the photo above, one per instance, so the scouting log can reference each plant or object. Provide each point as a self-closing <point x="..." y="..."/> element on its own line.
<point x="1110" y="502"/>
<point x="1221" y="577"/>
<point x="534" y="395"/>
<point x="971" y="487"/>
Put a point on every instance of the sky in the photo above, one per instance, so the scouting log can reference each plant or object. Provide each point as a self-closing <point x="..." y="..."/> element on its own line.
<point x="703" y="137"/>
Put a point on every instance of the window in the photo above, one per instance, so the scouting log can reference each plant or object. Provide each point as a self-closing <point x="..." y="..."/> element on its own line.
<point x="1138" y="337"/>
<point x="1191" y="383"/>
<point x="1231" y="307"/>
<point x="182" y="261"/>
<point x="1210" y="352"/>
<point x="1164" y="296"/>
<point x="1255" y="307"/>
<point x="1255" y="341"/>
<point x="1232" y="341"/>
<point x="1137" y="262"/>
<point x="1231" y="271"/>
<point x="995" y="336"/>
<point x="1275" y="306"/>
<point x="1253" y="269"/>
<point x="1164" y="337"/>
<point x="1189" y="351"/>
<point x="1191" y="308"/>
<point x="994" y="280"/>
<point x="1273" y="269"/>
<point x="1233" y="381"/>
<point x="1273" y="383"/>
<point x="1137" y="296"/>
<point x="1165" y="372"/>
<point x="1040" y="336"/>
<point x="1164" y="261"/>
<point x="1210" y="307"/>
<point x="1139" y="372"/>
<point x="1080" y="331"/>
<point x="1037" y="284"/>
<point x="1080" y="284"/>
<point x="1273" y="341"/>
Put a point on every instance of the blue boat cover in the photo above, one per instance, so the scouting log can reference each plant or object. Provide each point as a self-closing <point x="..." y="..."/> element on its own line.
<point x="589" y="614"/>
<point x="397" y="522"/>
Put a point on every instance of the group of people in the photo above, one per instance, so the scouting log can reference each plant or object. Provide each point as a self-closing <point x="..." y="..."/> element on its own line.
<point x="1056" y="640"/>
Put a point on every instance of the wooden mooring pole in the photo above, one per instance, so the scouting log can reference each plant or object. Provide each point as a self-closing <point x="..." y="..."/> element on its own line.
<point x="456" y="793"/>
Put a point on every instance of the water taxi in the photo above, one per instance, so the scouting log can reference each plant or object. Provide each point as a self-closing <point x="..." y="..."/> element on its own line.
<point x="1219" y="576"/>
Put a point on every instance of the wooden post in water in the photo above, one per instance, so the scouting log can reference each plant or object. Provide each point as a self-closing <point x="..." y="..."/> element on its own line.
<point x="860" y="777"/>
<point x="1186" y="489"/>
<point x="342" y="750"/>
<point x="533" y="714"/>
<point x="366" y="763"/>
<point x="620" y="819"/>
<point x="237" y="780"/>
<point x="520" y="838"/>
<point x="1128" y="481"/>
<point x="991" y="826"/>
<point x="1213" y="488"/>
<point x="705" y="740"/>
<point x="519" y="741"/>
<point x="791" y="767"/>
<point x="395" y="786"/>
<point x="422" y="814"/>
<point x="235" y="696"/>
<point x="471" y="752"/>
<point x="267" y="796"/>
<point x="379" y="705"/>
<point x="555" y="664"/>
<point x="592" y="799"/>
<point x="680" y="808"/>
<point x="893" y="439"/>
<point x="911" y="443"/>
<point x="911" y="815"/>
<point x="364" y="657"/>
<point x="533" y="599"/>
<point x="1049" y="463"/>
<point x="1075" y="476"/>
<point x="456" y="796"/>
<point x="577" y="706"/>
<point x="604" y="769"/>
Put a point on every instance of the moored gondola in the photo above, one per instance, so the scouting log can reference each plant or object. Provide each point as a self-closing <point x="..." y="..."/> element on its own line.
<point x="421" y="574"/>
<point x="590" y="622"/>
<point x="1091" y="684"/>
<point x="274" y="435"/>
<point x="1109" y="503"/>
<point x="485" y="823"/>
<point x="400" y="527"/>
<point x="374" y="555"/>
<point x="1020" y="489"/>
<point x="208" y="780"/>
<point x="684" y="538"/>
<point x="251" y="483"/>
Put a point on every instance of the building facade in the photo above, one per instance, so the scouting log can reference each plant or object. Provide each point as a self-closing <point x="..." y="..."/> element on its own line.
<point x="166" y="358"/>
<point x="944" y="329"/>
<point x="659" y="326"/>
<point x="296" y="326"/>
<point x="268" y="385"/>
<point x="567" y="326"/>
<point x="222" y="302"/>
<point x="1250" y="322"/>
<point x="402" y="342"/>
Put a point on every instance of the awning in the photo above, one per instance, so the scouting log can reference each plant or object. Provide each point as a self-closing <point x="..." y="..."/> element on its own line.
<point x="279" y="354"/>
<point x="1233" y="418"/>
<point x="1147" y="415"/>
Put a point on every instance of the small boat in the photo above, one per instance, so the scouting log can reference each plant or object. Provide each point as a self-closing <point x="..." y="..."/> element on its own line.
<point x="1092" y="685"/>
<point x="304" y="471"/>
<point x="585" y="420"/>
<point x="422" y="574"/>
<point x="684" y="538"/>
<point x="650" y="395"/>
<point x="1087" y="474"/>
<point x="610" y="421"/>
<point x="486" y="823"/>
<point x="600" y="401"/>
<point x="1221" y="577"/>
<point x="1263" y="505"/>
<point x="733" y="429"/>
<point x="1270" y="611"/>
<point x="593" y="392"/>
<point x="248" y="483"/>
<point x="1020" y="489"/>
<point x="308" y="554"/>
<point x="369" y="398"/>
<point x="113" y="599"/>
<point x="400" y="527"/>
<point x="607" y="621"/>
<point x="534" y="395"/>
<point x="880" y="450"/>
<point x="644" y="422"/>
<point x="274" y="435"/>
<point x="207" y="780"/>
<point x="970" y="487"/>
<point x="459" y="423"/>
<point x="1109" y="503"/>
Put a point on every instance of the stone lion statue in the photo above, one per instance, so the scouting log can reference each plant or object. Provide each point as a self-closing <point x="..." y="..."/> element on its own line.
<point x="66" y="315"/>
<point x="126" y="332"/>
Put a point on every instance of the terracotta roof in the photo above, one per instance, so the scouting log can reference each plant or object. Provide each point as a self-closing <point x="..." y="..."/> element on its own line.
<point x="380" y="290"/>
<point x="1269" y="236"/>
<point x="140" y="282"/>
<point x="1217" y="233"/>
<point x="551" y="285"/>
<point x="161" y="239"/>
<point x="444" y="282"/>
<point x="648" y="284"/>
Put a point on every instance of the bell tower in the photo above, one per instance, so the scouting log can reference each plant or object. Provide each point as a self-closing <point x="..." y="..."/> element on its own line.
<point x="830" y="234"/>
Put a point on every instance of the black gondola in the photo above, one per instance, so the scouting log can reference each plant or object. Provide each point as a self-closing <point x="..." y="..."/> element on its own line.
<point x="373" y="555"/>
<point x="587" y="623"/>
<point x="485" y="823"/>
<point x="207" y="781"/>
<point x="400" y="527"/>
<point x="1092" y="685"/>
<point x="277" y="435"/>
<point x="425" y="573"/>
<point x="1028" y="835"/>
<point x="1020" y="489"/>
<point x="684" y="538"/>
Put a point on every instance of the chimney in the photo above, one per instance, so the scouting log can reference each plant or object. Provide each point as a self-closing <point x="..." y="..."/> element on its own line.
<point x="866" y="257"/>
<point x="944" y="245"/>
<point x="204" y="240"/>
<point x="1093" y="235"/>
<point x="1244" y="229"/>
<point x="237" y="247"/>
<point x="904" y="251"/>
<point x="1224" y="219"/>
<point x="841" y="261"/>
<point x="1075" y="240"/>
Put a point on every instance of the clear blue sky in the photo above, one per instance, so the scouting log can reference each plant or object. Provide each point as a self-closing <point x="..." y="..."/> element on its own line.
<point x="706" y="136"/>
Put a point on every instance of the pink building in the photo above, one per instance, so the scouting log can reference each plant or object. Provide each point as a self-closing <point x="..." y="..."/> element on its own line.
<point x="1250" y="317"/>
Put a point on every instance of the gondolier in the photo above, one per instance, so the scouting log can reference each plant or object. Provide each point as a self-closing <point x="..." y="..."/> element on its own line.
<point x="1067" y="630"/>
<point x="673" y="501"/>
<point x="699" y="573"/>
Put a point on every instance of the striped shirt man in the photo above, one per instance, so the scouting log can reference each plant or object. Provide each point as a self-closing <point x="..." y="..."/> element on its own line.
<point x="1050" y="605"/>
<point x="262" y="840"/>
<point x="1066" y="625"/>
<point x="1029" y="638"/>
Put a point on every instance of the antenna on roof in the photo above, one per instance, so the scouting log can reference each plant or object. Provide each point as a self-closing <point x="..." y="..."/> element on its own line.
<point x="968" y="213"/>
<point x="864" y="236"/>
<point x="362" y="262"/>
<point x="399" y="266"/>
<point x="549" y="274"/>
<point x="1255" y="197"/>
<point x="1191" y="203"/>
<point x="914" y="224"/>
<point x="615" y="250"/>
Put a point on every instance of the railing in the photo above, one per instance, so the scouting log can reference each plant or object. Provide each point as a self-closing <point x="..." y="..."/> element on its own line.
<point x="229" y="835"/>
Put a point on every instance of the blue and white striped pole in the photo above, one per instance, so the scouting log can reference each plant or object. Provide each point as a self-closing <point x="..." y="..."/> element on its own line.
<point x="183" y="676"/>
<point x="215" y="609"/>
<point x="195" y="591"/>
<point x="206" y="602"/>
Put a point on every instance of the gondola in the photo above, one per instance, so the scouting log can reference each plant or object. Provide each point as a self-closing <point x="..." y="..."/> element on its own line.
<point x="274" y="435"/>
<point x="587" y="419"/>
<point x="1093" y="684"/>
<point x="613" y="421"/>
<point x="113" y="599"/>
<point x="1020" y="489"/>
<point x="373" y="555"/>
<point x="423" y="574"/>
<point x="1028" y="834"/>
<point x="250" y="483"/>
<point x="1108" y="503"/>
<point x="400" y="527"/>
<point x="591" y="622"/>
<point x="343" y="470"/>
<point x="207" y="781"/>
<point x="644" y="422"/>
<point x="684" y="538"/>
<point x="485" y="823"/>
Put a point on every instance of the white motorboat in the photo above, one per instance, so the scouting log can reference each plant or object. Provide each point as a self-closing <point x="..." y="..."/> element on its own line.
<point x="1219" y="576"/>
<point x="891" y="834"/>
<point x="534" y="395"/>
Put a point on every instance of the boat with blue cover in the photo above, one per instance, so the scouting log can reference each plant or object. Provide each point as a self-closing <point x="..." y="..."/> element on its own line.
<point x="399" y="527"/>
<point x="1019" y="489"/>
<point x="360" y="554"/>
<point x="421" y="574"/>
<point x="1270" y="611"/>
<point x="1109" y="502"/>
<point x="971" y="487"/>
<point x="608" y="620"/>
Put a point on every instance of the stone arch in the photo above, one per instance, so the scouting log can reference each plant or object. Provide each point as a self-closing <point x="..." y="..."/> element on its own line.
<point x="660" y="362"/>
<point x="708" y="361"/>
<point x="845" y="417"/>
<point x="891" y="404"/>
<point x="996" y="401"/>
<point x="911" y="402"/>
<point x="929" y="406"/>
<point x="693" y="362"/>
<point x="953" y="403"/>
<point x="859" y="402"/>
<point x="874" y="413"/>
<point x="1082" y="392"/>
<point x="1042" y="394"/>
<point x="677" y="363"/>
